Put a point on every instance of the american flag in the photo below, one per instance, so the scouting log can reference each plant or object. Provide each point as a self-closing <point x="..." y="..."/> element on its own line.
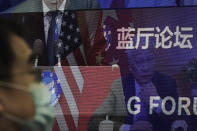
<point x="70" y="33"/>
<point x="83" y="39"/>
<point x="84" y="88"/>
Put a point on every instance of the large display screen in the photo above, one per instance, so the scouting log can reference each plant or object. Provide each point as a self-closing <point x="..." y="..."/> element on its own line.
<point x="124" y="69"/>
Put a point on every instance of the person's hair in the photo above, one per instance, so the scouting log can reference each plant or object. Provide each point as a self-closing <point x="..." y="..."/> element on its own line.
<point x="8" y="28"/>
<point x="132" y="53"/>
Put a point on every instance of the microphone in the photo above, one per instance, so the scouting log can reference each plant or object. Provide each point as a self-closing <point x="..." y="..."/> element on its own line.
<point x="38" y="46"/>
<point x="59" y="50"/>
<point x="106" y="125"/>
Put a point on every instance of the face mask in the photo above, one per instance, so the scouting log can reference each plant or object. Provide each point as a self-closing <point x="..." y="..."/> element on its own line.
<point x="44" y="113"/>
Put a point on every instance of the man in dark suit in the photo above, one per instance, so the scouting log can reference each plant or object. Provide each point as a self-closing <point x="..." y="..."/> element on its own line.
<point x="143" y="82"/>
<point x="43" y="20"/>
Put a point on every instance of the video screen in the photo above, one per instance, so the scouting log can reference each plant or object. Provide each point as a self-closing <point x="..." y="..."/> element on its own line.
<point x="117" y="69"/>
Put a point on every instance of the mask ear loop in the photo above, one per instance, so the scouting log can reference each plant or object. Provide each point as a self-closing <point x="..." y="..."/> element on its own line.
<point x="4" y="113"/>
<point x="14" y="118"/>
<point x="15" y="86"/>
<point x="1" y="109"/>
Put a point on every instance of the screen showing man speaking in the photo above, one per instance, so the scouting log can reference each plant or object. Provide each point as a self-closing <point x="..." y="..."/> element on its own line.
<point x="156" y="52"/>
<point x="126" y="69"/>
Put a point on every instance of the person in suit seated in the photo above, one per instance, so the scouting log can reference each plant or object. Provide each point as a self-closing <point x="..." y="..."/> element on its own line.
<point x="142" y="81"/>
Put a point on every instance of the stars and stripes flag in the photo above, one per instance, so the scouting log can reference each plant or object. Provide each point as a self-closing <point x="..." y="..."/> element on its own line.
<point x="84" y="88"/>
<point x="83" y="40"/>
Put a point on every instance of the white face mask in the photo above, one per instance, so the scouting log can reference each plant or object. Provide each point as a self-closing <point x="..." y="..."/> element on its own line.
<point x="44" y="113"/>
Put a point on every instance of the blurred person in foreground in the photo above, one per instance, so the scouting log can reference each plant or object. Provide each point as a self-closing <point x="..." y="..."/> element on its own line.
<point x="24" y="101"/>
<point x="142" y="81"/>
